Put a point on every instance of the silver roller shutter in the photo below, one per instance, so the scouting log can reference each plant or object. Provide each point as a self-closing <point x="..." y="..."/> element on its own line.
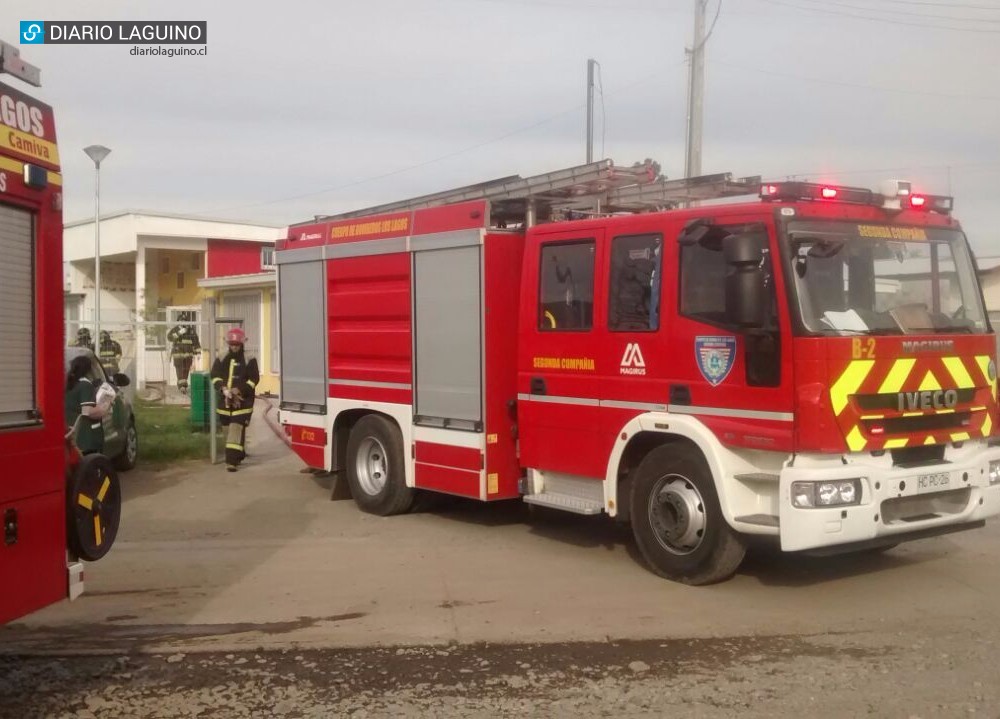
<point x="447" y="325"/>
<point x="302" y="319"/>
<point x="17" y="317"/>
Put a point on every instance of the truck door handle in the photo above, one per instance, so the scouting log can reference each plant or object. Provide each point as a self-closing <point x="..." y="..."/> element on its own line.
<point x="537" y="385"/>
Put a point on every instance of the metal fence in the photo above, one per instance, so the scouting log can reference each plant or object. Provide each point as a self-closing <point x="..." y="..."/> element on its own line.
<point x="159" y="374"/>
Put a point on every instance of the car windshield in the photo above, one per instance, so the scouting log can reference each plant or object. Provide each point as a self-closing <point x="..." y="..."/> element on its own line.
<point x="853" y="278"/>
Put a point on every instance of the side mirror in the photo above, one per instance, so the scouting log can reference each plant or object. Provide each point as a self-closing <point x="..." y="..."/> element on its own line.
<point x="121" y="380"/>
<point x="746" y="296"/>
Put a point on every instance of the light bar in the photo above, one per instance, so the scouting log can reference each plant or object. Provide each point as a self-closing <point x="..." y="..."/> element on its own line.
<point x="812" y="191"/>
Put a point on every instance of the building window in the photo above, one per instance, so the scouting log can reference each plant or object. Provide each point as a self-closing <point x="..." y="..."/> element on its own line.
<point x="266" y="258"/>
<point x="634" y="302"/>
<point x="196" y="261"/>
<point x="566" y="286"/>
<point x="165" y="264"/>
<point x="180" y="280"/>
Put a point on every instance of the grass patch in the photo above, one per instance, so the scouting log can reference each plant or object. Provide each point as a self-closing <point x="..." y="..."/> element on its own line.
<point x="166" y="434"/>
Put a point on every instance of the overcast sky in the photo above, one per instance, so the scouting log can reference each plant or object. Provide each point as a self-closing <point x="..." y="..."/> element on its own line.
<point x="307" y="107"/>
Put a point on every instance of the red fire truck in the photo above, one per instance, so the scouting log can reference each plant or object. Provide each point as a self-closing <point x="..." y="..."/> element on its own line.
<point x="814" y="368"/>
<point x="57" y="507"/>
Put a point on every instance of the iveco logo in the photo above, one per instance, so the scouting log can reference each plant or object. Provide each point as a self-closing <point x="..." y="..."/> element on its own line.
<point x="928" y="399"/>
<point x="912" y="346"/>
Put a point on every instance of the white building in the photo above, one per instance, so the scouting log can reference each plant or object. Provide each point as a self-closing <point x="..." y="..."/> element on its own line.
<point x="151" y="263"/>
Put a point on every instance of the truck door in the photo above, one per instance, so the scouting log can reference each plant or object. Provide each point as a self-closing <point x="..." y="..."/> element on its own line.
<point x="736" y="381"/>
<point x="558" y="382"/>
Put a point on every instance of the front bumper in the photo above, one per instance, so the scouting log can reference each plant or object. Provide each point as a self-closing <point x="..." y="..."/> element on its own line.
<point x="895" y="501"/>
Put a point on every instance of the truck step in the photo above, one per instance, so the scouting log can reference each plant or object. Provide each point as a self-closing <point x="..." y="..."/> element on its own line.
<point x="565" y="502"/>
<point x="763" y="520"/>
<point x="757" y="477"/>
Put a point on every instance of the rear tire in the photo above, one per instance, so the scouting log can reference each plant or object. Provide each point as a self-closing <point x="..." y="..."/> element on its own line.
<point x="677" y="520"/>
<point x="376" y="468"/>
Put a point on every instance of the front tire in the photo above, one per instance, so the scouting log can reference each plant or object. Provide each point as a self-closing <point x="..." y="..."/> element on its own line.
<point x="376" y="469"/>
<point x="130" y="454"/>
<point x="677" y="520"/>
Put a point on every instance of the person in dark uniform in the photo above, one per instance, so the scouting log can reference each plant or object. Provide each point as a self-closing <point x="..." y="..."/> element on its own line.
<point x="83" y="339"/>
<point x="184" y="345"/>
<point x="110" y="353"/>
<point x="81" y="404"/>
<point x="235" y="377"/>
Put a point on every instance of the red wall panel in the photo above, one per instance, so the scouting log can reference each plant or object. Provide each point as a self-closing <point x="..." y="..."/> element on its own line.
<point x="233" y="257"/>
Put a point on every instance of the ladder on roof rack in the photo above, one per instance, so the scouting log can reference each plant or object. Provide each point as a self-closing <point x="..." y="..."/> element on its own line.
<point x="595" y="188"/>
<point x="12" y="64"/>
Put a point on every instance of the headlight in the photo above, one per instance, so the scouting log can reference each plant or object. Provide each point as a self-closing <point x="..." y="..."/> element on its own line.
<point x="836" y="493"/>
<point x="995" y="472"/>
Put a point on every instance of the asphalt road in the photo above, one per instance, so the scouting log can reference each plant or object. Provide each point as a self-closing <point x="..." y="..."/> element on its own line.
<point x="220" y="581"/>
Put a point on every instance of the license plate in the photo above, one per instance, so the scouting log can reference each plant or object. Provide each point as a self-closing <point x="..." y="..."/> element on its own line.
<point x="937" y="482"/>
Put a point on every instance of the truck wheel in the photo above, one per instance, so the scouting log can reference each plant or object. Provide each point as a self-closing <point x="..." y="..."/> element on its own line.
<point x="676" y="518"/>
<point x="375" y="467"/>
<point x="94" y="508"/>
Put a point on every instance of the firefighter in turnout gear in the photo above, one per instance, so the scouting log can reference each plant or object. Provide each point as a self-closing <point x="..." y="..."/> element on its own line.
<point x="184" y="345"/>
<point x="83" y="339"/>
<point x="235" y="377"/>
<point x="110" y="353"/>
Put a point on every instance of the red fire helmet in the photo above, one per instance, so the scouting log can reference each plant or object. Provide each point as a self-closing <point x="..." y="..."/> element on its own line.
<point x="236" y="336"/>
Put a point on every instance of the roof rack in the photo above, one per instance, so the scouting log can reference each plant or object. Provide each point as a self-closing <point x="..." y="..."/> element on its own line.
<point x="596" y="188"/>
<point x="12" y="64"/>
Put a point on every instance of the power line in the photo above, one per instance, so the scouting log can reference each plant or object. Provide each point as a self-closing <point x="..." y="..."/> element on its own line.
<point x="434" y="160"/>
<point x="879" y="19"/>
<point x="939" y="168"/>
<point x="869" y="8"/>
<point x="963" y="6"/>
<point x="842" y="83"/>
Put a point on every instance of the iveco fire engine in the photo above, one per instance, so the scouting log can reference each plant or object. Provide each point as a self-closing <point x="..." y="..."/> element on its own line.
<point x="56" y="506"/>
<point x="813" y="368"/>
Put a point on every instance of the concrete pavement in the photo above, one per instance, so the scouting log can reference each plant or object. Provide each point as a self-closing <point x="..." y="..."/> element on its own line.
<point x="207" y="560"/>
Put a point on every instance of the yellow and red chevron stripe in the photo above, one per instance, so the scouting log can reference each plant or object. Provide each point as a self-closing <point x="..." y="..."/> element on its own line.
<point x="865" y="399"/>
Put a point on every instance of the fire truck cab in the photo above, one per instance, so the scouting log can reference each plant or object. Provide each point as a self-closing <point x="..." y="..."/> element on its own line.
<point x="815" y="368"/>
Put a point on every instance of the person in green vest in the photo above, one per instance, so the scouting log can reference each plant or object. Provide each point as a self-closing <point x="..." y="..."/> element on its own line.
<point x="82" y="408"/>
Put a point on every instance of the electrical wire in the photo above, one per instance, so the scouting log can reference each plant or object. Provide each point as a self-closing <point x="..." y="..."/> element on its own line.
<point x="869" y="8"/>
<point x="434" y="160"/>
<point x="842" y="83"/>
<point x="878" y="19"/>
<point x="927" y="3"/>
<point x="710" y="30"/>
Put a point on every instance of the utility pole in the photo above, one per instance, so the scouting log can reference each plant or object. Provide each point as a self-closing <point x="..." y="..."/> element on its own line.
<point x="696" y="93"/>
<point x="591" y="63"/>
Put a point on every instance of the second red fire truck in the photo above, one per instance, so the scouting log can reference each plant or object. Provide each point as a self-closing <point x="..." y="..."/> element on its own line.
<point x="814" y="368"/>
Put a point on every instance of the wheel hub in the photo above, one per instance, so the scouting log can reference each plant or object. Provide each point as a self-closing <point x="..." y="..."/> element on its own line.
<point x="372" y="466"/>
<point x="677" y="515"/>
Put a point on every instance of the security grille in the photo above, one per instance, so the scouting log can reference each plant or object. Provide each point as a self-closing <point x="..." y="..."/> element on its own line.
<point x="17" y="316"/>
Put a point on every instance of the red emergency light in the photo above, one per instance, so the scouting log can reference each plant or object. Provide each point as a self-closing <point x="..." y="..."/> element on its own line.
<point x="917" y="201"/>
<point x="812" y="191"/>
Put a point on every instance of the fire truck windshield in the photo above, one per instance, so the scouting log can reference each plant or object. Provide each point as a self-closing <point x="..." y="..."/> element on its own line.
<point x="853" y="278"/>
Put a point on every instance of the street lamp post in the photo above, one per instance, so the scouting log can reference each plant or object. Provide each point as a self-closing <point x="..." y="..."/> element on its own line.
<point x="97" y="153"/>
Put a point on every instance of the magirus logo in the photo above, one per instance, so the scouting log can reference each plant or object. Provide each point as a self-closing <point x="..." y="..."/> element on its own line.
<point x="632" y="360"/>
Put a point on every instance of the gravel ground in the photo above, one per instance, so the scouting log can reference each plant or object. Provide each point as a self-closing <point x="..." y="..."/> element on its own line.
<point x="883" y="675"/>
